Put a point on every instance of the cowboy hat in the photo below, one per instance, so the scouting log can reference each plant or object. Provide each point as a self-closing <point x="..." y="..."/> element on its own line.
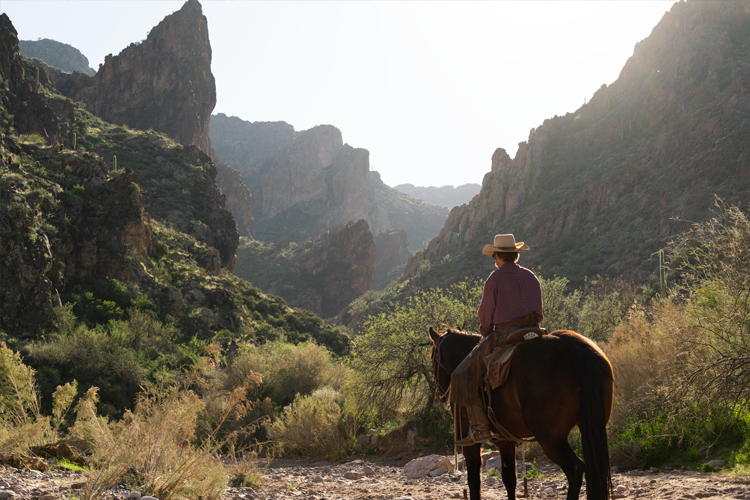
<point x="505" y="243"/>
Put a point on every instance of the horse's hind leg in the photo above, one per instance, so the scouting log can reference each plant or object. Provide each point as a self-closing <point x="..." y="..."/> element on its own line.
<point x="508" y="466"/>
<point x="473" y="457"/>
<point x="559" y="451"/>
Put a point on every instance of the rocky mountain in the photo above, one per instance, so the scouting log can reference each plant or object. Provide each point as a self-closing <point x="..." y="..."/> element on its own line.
<point x="163" y="83"/>
<point x="306" y="182"/>
<point x="103" y="219"/>
<point x="443" y="196"/>
<point x="323" y="274"/>
<point x="58" y="54"/>
<point x="598" y="190"/>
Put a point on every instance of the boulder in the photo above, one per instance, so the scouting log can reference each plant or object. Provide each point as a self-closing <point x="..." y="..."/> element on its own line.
<point x="428" y="465"/>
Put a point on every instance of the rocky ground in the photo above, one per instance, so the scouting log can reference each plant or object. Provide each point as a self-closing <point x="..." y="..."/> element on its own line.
<point x="386" y="481"/>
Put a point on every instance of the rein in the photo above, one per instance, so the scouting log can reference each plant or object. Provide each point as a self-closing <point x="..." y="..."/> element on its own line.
<point x="442" y="394"/>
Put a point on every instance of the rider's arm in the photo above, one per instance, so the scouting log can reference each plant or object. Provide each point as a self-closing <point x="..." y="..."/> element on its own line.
<point x="486" y="309"/>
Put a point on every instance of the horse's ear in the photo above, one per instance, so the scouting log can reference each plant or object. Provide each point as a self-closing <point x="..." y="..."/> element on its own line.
<point x="435" y="336"/>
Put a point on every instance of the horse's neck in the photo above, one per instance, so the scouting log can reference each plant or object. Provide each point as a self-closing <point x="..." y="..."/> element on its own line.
<point x="458" y="350"/>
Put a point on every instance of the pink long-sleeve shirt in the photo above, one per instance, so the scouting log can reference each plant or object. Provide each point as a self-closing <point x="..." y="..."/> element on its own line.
<point x="511" y="291"/>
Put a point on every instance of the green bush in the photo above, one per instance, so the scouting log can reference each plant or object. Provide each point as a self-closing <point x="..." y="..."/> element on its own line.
<point x="119" y="358"/>
<point x="286" y="369"/>
<point x="315" y="426"/>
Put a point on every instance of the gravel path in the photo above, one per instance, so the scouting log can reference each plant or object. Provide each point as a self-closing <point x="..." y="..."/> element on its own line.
<point x="383" y="481"/>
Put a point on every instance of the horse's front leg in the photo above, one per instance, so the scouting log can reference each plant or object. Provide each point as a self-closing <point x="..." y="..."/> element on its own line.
<point x="473" y="458"/>
<point x="508" y="467"/>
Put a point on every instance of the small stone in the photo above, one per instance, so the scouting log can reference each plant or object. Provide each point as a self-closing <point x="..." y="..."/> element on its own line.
<point x="621" y="491"/>
<point x="368" y="471"/>
<point x="6" y="494"/>
<point x="716" y="464"/>
<point x="133" y="495"/>
<point x="353" y="475"/>
<point x="317" y="479"/>
<point x="148" y="498"/>
<point x="490" y="481"/>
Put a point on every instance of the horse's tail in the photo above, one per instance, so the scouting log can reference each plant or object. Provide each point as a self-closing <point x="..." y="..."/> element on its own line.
<point x="596" y="381"/>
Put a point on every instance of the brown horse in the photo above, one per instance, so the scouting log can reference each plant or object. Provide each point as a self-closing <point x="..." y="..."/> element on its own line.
<point x="556" y="381"/>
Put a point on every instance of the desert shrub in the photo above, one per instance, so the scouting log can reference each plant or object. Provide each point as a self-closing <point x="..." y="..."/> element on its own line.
<point x="593" y="311"/>
<point x="682" y="364"/>
<point x="18" y="397"/>
<point x="21" y="423"/>
<point x="153" y="448"/>
<point x="118" y="357"/>
<point x="286" y="369"/>
<point x="710" y="264"/>
<point x="315" y="425"/>
<point x="390" y="358"/>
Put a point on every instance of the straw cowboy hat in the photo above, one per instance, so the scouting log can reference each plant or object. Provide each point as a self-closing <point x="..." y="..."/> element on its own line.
<point x="505" y="243"/>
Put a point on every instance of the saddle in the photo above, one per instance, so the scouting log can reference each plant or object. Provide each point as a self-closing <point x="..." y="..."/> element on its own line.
<point x="497" y="363"/>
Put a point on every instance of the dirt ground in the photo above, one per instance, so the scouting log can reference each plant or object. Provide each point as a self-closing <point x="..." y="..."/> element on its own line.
<point x="385" y="481"/>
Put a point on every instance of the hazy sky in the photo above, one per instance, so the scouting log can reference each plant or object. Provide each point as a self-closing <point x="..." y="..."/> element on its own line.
<point x="429" y="88"/>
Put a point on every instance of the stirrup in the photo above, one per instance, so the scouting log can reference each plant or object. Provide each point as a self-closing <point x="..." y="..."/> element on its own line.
<point x="475" y="436"/>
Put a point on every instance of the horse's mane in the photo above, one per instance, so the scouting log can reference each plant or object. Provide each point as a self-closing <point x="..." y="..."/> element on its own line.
<point x="462" y="333"/>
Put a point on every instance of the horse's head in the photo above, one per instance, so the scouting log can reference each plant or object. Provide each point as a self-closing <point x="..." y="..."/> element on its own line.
<point x="449" y="348"/>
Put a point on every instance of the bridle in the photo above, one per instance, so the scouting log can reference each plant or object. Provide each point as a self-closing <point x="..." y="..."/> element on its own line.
<point x="437" y="365"/>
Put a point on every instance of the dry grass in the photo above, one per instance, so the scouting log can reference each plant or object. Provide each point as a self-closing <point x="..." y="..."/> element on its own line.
<point x="153" y="448"/>
<point x="649" y="354"/>
<point x="21" y="423"/>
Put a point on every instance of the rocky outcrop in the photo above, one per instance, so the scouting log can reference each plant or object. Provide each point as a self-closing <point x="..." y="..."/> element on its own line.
<point x="306" y="182"/>
<point x="443" y="196"/>
<point x="238" y="199"/>
<point x="57" y="54"/>
<point x="323" y="274"/>
<point x="163" y="83"/>
<point x="246" y="146"/>
<point x="597" y="191"/>
<point x="392" y="254"/>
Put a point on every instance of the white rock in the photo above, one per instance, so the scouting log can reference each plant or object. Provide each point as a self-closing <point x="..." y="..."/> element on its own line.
<point x="493" y="463"/>
<point x="424" y="466"/>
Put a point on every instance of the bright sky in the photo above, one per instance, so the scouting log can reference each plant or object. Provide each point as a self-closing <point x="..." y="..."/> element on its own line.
<point x="429" y="88"/>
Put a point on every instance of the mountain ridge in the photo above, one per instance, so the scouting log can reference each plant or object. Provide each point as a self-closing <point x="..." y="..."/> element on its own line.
<point x="599" y="190"/>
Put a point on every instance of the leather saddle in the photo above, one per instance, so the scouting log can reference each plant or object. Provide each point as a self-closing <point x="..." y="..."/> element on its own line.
<point x="497" y="363"/>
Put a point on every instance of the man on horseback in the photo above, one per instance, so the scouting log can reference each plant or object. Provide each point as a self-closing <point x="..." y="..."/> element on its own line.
<point x="512" y="300"/>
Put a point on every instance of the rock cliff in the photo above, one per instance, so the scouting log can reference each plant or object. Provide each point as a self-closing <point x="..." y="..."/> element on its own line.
<point x="323" y="274"/>
<point x="163" y="83"/>
<point x="444" y="196"/>
<point x="238" y="199"/>
<point x="598" y="190"/>
<point x="102" y="219"/>
<point x="60" y="55"/>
